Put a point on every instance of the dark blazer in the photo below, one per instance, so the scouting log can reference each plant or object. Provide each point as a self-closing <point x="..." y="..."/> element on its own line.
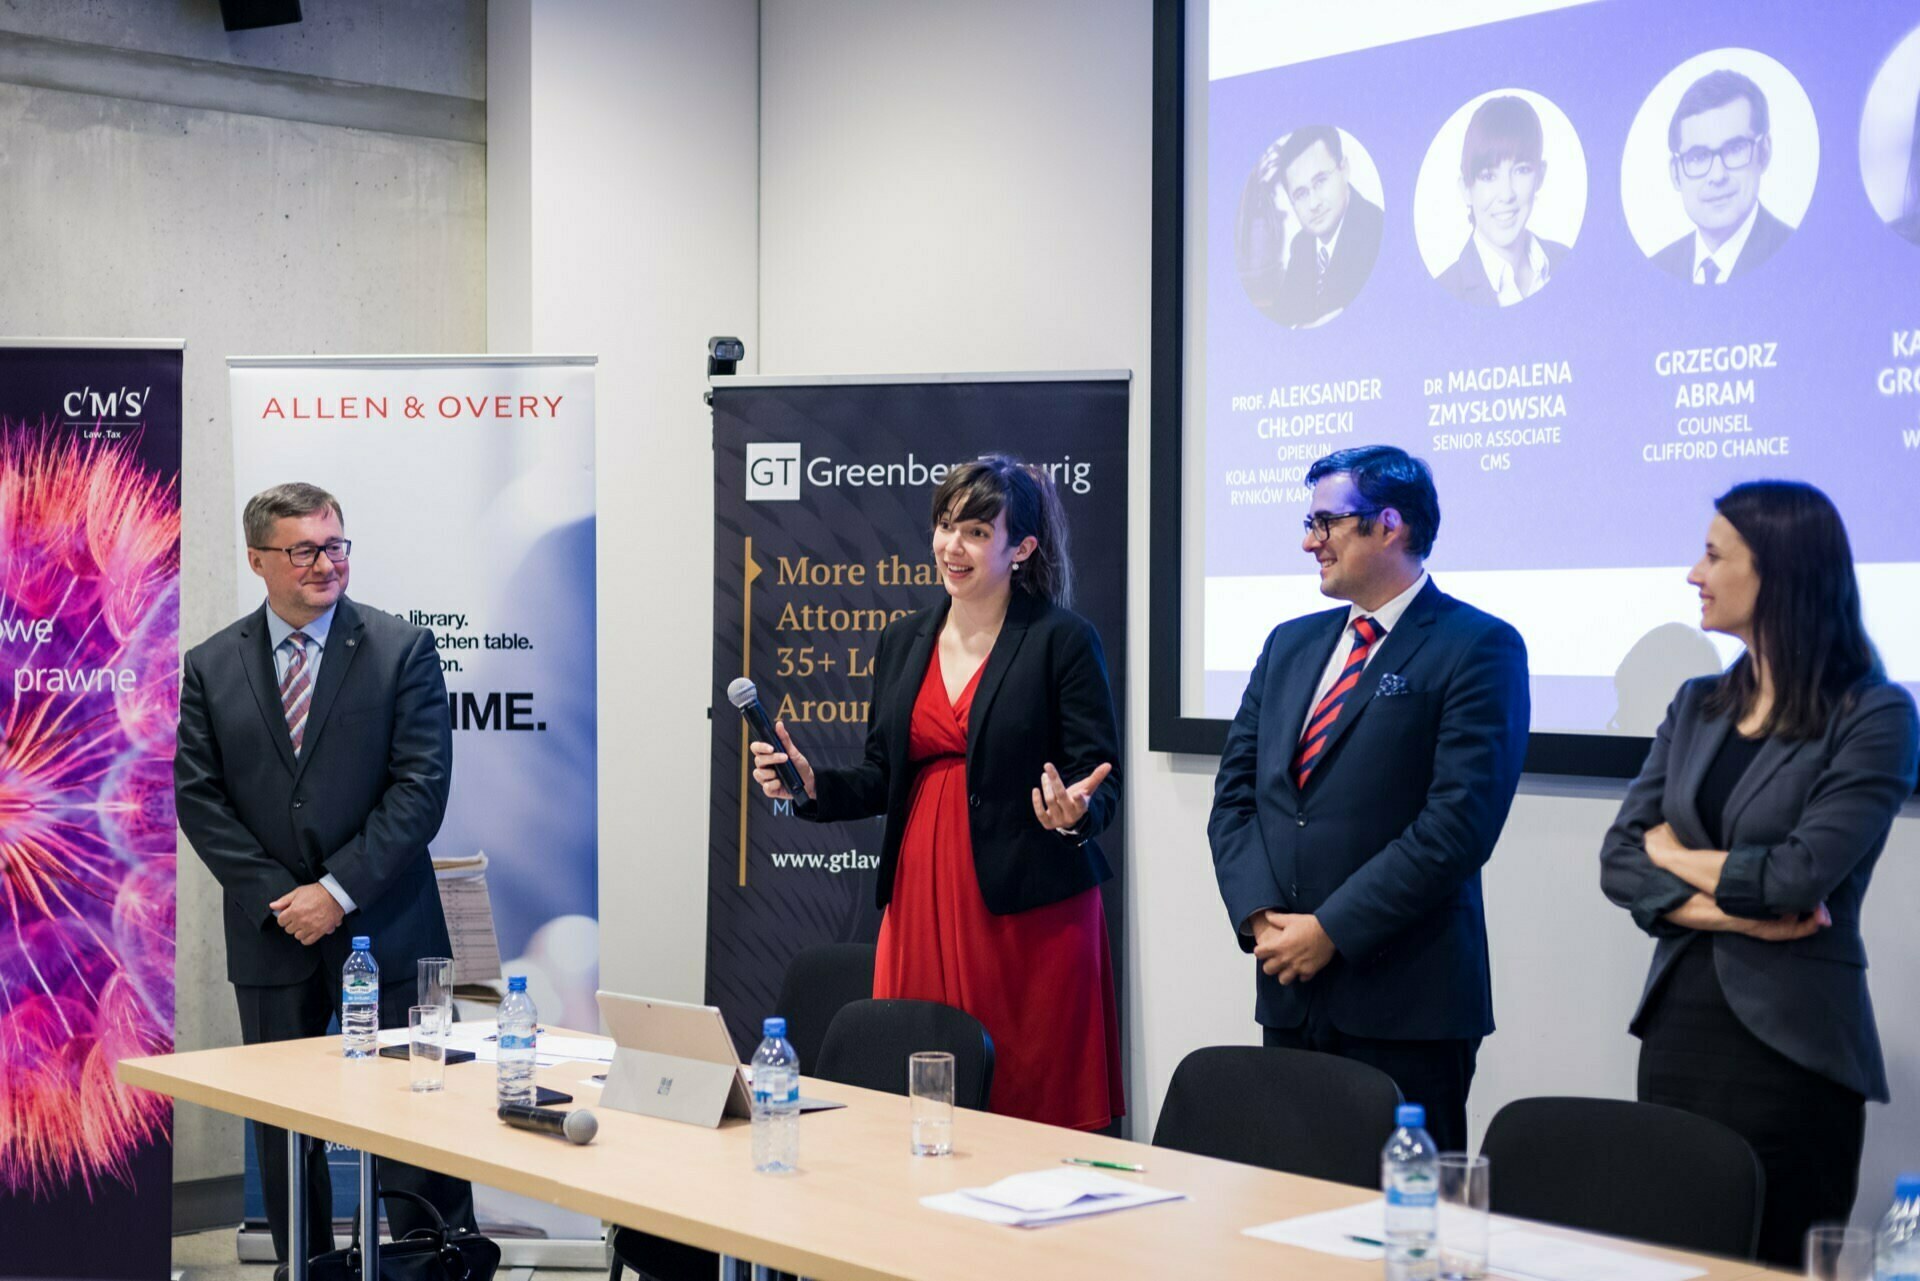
<point x="1352" y="262"/>
<point x="1467" y="279"/>
<point x="1768" y="234"/>
<point x="1042" y="697"/>
<point x="1805" y="825"/>
<point x="1386" y="844"/>
<point x="365" y="797"/>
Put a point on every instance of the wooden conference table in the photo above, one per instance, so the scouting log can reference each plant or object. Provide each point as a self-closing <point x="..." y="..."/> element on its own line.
<point x="852" y="1211"/>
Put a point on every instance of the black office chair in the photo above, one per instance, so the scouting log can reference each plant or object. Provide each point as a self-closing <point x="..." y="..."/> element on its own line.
<point x="1627" y="1169"/>
<point x="866" y="1044"/>
<point x="1290" y="1110"/>
<point x="818" y="982"/>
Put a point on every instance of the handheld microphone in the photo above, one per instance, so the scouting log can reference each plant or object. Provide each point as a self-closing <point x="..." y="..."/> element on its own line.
<point x="744" y="696"/>
<point x="577" y="1126"/>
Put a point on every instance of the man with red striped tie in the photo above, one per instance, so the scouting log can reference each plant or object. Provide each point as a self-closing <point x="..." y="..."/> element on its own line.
<point x="312" y="768"/>
<point x="1364" y="782"/>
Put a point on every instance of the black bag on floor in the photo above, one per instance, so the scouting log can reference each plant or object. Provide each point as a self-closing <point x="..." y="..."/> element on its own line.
<point x="427" y="1254"/>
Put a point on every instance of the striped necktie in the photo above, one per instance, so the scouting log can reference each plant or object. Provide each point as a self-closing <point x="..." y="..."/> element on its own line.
<point x="296" y="689"/>
<point x="1320" y="280"/>
<point x="1326" y="714"/>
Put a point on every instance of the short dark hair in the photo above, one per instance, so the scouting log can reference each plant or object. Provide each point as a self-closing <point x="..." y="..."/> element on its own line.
<point x="1301" y="141"/>
<point x="1806" y="617"/>
<point x="1388" y="476"/>
<point x="1504" y="128"/>
<point x="1717" y="89"/>
<point x="294" y="499"/>
<point x="993" y="483"/>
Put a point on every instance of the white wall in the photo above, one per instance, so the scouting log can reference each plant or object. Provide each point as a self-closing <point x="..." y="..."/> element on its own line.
<point x="633" y="151"/>
<point x="966" y="187"/>
<point x="241" y="231"/>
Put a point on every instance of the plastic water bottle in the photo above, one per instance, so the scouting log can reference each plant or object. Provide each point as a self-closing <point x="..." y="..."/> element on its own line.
<point x="1410" y="1177"/>
<point x="776" y="1102"/>
<point x="519" y="1027"/>
<point x="1896" y="1255"/>
<point x="360" y="1001"/>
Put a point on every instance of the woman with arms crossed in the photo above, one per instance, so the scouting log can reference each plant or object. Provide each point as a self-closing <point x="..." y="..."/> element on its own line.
<point x="990" y="749"/>
<point x="1745" y="847"/>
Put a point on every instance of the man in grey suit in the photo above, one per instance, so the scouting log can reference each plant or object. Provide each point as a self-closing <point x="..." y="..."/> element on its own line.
<point x="1721" y="143"/>
<point x="312" y="769"/>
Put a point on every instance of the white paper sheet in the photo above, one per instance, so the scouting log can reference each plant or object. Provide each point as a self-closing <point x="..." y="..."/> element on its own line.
<point x="1048" y="1196"/>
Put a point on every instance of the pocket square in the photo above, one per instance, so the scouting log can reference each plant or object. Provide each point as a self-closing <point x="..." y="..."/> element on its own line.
<point x="1391" y="684"/>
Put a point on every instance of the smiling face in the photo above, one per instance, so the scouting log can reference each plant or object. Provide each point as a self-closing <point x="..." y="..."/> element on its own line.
<point x="1501" y="197"/>
<point x="1317" y="186"/>
<point x="1728" y="582"/>
<point x="975" y="557"/>
<point x="1353" y="565"/>
<point x="1720" y="199"/>
<point x="301" y="595"/>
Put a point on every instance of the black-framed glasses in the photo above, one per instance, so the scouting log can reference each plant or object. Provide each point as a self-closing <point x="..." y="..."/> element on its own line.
<point x="1319" y="526"/>
<point x="1734" y="153"/>
<point x="304" y="554"/>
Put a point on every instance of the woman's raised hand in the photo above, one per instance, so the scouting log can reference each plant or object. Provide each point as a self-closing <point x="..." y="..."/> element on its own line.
<point x="766" y="756"/>
<point x="1059" y="806"/>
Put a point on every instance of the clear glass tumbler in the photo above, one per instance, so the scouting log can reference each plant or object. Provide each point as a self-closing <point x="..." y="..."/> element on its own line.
<point x="435" y="976"/>
<point x="1836" y="1252"/>
<point x="1464" y="1194"/>
<point x="930" y="1086"/>
<point x="429" y="1027"/>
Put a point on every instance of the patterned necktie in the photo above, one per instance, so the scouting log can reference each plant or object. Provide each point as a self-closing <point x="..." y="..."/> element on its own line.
<point x="1320" y="281"/>
<point x="1709" y="272"/>
<point x="1326" y="714"/>
<point x="296" y="689"/>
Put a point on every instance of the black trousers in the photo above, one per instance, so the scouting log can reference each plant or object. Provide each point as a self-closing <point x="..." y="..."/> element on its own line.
<point x="301" y="1010"/>
<point x="1808" y="1131"/>
<point x="1434" y="1074"/>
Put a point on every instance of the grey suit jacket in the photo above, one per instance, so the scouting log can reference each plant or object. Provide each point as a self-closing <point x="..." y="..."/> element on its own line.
<point x="361" y="801"/>
<point x="1805" y="826"/>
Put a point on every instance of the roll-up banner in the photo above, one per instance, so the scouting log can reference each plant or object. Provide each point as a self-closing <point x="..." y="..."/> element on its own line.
<point x="467" y="485"/>
<point x="822" y="494"/>
<point x="89" y="630"/>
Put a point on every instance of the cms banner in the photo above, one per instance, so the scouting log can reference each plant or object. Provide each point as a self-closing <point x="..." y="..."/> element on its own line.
<point x="822" y="494"/>
<point x="467" y="489"/>
<point x="90" y="699"/>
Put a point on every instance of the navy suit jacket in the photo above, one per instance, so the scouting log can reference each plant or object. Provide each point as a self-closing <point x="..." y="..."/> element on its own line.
<point x="361" y="802"/>
<point x="1768" y="234"/>
<point x="1804" y="826"/>
<point x="1352" y="262"/>
<point x="1467" y="279"/>
<point x="1386" y="843"/>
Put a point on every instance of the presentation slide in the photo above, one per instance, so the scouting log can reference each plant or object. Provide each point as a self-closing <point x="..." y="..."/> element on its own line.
<point x="1596" y="263"/>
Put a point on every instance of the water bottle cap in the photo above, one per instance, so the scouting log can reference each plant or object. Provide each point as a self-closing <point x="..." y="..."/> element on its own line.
<point x="774" y="1027"/>
<point x="1907" y="1186"/>
<point x="362" y="943"/>
<point x="1410" y="1116"/>
<point x="516" y="983"/>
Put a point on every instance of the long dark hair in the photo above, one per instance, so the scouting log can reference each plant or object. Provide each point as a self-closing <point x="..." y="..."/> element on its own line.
<point x="1806" y="617"/>
<point x="993" y="483"/>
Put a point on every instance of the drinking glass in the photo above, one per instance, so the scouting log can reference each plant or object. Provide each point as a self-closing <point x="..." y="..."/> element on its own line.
<point x="435" y="975"/>
<point x="930" y="1085"/>
<point x="1464" y="1191"/>
<point x="1836" y="1252"/>
<point x="429" y="1027"/>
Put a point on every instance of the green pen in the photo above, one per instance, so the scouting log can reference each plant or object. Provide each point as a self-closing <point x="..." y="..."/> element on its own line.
<point x="1381" y="1245"/>
<point x="1102" y="1165"/>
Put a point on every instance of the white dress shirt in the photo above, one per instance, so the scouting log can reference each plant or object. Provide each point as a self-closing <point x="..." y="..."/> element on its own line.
<point x="1387" y="617"/>
<point x="1727" y="254"/>
<point x="278" y="630"/>
<point x="1500" y="273"/>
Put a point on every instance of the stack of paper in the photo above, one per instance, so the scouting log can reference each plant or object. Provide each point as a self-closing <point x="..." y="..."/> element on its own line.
<point x="482" y="1038"/>
<point x="1048" y="1196"/>
<point x="469" y="912"/>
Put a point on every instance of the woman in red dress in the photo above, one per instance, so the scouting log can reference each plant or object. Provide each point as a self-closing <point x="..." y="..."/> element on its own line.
<point x="983" y="707"/>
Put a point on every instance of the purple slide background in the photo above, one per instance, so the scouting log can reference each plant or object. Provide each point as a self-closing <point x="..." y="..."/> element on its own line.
<point x="1830" y="298"/>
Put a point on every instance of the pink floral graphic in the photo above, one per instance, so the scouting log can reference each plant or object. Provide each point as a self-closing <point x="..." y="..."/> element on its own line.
<point x="89" y="655"/>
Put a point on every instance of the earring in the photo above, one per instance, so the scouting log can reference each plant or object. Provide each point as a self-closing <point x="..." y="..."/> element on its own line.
<point x="1016" y="566"/>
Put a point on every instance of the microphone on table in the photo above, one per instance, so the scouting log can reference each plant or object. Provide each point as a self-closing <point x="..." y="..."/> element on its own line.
<point x="744" y="696"/>
<point x="577" y="1126"/>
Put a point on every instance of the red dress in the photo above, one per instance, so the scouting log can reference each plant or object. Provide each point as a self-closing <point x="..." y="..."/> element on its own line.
<point x="1041" y="981"/>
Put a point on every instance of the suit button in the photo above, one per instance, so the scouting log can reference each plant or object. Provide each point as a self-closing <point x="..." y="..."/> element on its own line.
<point x="298" y="803"/>
<point x="974" y="801"/>
<point x="1299" y="822"/>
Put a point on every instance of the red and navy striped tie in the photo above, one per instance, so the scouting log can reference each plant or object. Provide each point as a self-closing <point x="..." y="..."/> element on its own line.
<point x="296" y="690"/>
<point x="1326" y="714"/>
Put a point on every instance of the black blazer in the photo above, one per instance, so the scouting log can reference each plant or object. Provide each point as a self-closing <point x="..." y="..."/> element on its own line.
<point x="366" y="795"/>
<point x="1042" y="697"/>
<point x="1805" y="826"/>
<point x="1386" y="843"/>
<point x="1352" y="262"/>
<point x="1768" y="234"/>
<point x="1466" y="279"/>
